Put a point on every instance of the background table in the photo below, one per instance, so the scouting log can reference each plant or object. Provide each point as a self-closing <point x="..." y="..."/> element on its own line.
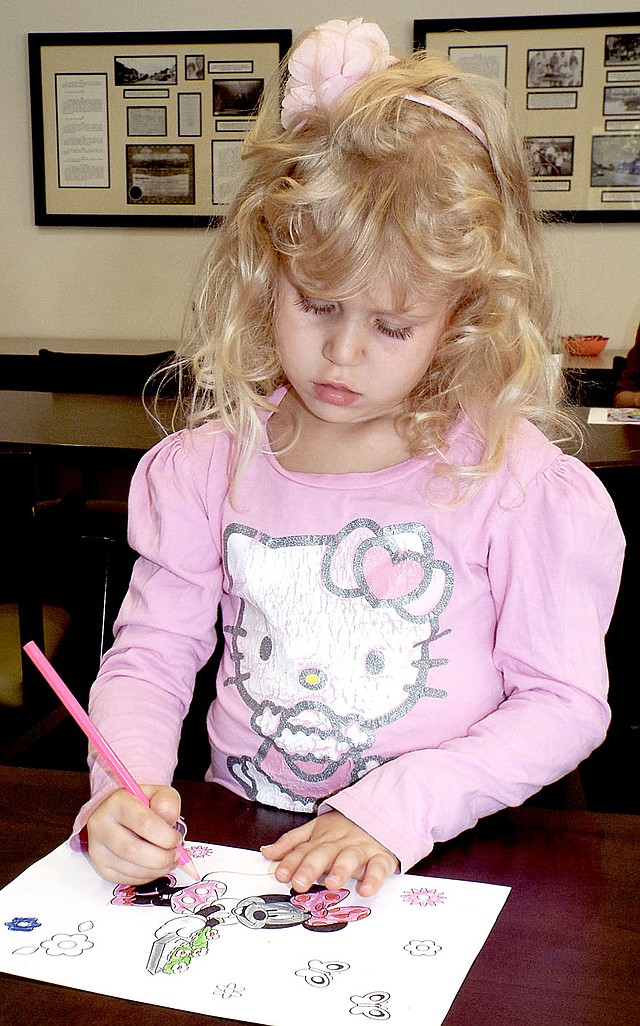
<point x="59" y="420"/>
<point x="29" y="346"/>
<point x="606" y="445"/>
<point x="602" y="362"/>
<point x="564" y="952"/>
<point x="90" y="442"/>
<point x="56" y="420"/>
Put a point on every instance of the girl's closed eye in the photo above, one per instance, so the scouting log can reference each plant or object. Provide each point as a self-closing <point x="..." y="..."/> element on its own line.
<point x="314" y="306"/>
<point x="400" y="333"/>
<point x="319" y="307"/>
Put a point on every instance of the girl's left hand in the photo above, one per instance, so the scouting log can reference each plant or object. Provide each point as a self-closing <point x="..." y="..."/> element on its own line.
<point x="333" y="845"/>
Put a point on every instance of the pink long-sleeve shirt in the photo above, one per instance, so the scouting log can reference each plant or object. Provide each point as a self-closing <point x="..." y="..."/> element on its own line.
<point x="414" y="664"/>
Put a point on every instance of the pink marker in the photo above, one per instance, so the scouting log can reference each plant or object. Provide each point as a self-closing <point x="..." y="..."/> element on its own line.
<point x="72" y="705"/>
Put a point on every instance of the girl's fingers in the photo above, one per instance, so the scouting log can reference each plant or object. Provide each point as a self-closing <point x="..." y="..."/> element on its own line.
<point x="376" y="872"/>
<point x="333" y="847"/>
<point x="153" y="824"/>
<point x="350" y="863"/>
<point x="132" y="843"/>
<point x="123" y="871"/>
<point x="288" y="842"/>
<point x="310" y="867"/>
<point x="301" y="872"/>
<point x="303" y="867"/>
<point x="146" y="825"/>
<point x="165" y="801"/>
<point x="135" y="848"/>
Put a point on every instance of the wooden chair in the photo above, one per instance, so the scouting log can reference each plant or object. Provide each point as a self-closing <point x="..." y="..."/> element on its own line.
<point x="25" y="612"/>
<point x="65" y="567"/>
<point x="99" y="373"/>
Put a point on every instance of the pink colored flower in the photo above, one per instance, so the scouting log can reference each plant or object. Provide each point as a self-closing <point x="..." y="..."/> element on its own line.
<point x="329" y="61"/>
<point x="423" y="896"/>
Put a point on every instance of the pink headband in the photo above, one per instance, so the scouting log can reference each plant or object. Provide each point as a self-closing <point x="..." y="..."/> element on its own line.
<point x="451" y="112"/>
<point x="336" y="56"/>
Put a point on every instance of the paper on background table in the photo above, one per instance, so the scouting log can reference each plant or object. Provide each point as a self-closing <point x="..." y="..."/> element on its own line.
<point x="613" y="415"/>
<point x="405" y="961"/>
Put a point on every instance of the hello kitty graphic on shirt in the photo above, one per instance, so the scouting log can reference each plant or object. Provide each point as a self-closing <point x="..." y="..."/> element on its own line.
<point x="332" y="641"/>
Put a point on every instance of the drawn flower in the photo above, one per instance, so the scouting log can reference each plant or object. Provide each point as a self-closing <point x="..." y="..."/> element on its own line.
<point x="200" y="851"/>
<point x="70" y="944"/>
<point x="228" y="990"/>
<point x="423" y="947"/>
<point x="330" y="60"/>
<point x="23" y="924"/>
<point x="423" y="896"/>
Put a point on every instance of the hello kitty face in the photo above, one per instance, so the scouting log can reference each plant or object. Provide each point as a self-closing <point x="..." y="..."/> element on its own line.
<point x="333" y="634"/>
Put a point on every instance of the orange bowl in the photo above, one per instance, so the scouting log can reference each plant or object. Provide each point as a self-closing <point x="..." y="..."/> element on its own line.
<point x="584" y="345"/>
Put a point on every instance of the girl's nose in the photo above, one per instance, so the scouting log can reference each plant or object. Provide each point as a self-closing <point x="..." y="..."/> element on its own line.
<point x="344" y="345"/>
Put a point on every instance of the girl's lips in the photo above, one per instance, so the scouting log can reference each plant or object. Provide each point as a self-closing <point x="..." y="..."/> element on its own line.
<point x="336" y="395"/>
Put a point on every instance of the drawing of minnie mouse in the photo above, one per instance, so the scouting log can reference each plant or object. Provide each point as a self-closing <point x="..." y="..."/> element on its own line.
<point x="316" y="910"/>
<point x="201" y="908"/>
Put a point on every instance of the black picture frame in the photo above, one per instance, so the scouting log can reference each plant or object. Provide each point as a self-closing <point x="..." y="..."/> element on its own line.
<point x="569" y="79"/>
<point x="94" y="93"/>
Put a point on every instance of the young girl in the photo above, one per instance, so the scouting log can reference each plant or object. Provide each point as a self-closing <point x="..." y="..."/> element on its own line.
<point x="414" y="582"/>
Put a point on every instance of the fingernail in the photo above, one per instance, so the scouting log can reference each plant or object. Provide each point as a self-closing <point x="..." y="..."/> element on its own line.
<point x="282" y="874"/>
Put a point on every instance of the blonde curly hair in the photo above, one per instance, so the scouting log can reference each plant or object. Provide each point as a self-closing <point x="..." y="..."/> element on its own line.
<point x="376" y="184"/>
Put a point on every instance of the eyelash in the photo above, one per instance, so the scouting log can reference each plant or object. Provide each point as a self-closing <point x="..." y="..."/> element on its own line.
<point x="309" y="306"/>
<point x="402" y="334"/>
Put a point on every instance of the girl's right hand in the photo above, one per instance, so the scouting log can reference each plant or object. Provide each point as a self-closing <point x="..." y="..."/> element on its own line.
<point x="130" y="843"/>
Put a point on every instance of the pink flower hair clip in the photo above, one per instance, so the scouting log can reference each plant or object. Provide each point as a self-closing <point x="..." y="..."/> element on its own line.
<point x="329" y="61"/>
<point x="337" y="55"/>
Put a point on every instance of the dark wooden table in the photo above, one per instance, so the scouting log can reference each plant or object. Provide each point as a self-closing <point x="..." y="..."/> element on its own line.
<point x="81" y="441"/>
<point x="565" y="950"/>
<point x="58" y="420"/>
<point x="607" y="445"/>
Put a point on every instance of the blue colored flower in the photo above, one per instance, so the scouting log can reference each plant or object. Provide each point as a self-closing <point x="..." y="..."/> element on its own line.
<point x="23" y="924"/>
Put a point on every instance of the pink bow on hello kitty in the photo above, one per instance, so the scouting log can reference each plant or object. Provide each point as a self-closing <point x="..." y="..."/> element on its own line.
<point x="333" y="58"/>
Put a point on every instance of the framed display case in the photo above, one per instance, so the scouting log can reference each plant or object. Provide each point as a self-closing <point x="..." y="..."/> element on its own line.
<point x="143" y="128"/>
<point x="574" y="84"/>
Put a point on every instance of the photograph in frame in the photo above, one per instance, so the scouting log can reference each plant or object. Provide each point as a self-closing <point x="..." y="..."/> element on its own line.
<point x="555" y="69"/>
<point x="573" y="84"/>
<point x="623" y="100"/>
<point x="194" y="67"/>
<point x="236" y="97"/>
<point x="615" y="160"/>
<point x="622" y="50"/>
<point x="149" y="70"/>
<point x="550" y="156"/>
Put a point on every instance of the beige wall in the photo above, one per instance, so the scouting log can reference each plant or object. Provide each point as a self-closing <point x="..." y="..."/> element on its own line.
<point x="131" y="283"/>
